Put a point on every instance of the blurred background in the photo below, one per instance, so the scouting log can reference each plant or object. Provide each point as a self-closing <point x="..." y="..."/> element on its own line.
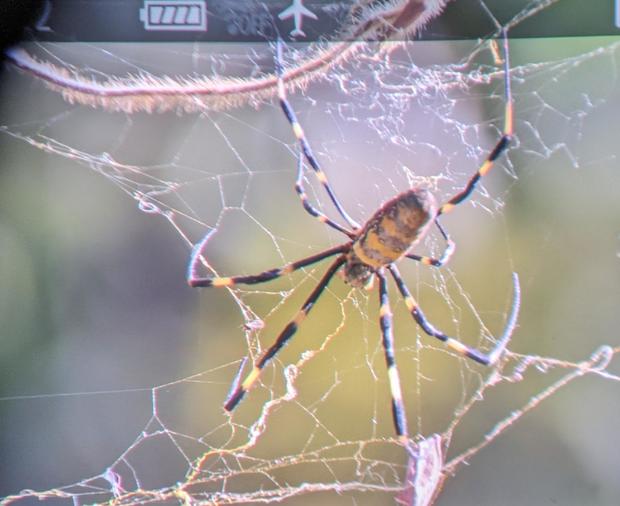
<point x="100" y="336"/>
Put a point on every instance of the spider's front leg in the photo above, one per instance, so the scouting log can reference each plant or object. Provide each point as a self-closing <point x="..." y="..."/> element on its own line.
<point x="445" y="256"/>
<point x="194" y="280"/>
<point x="501" y="145"/>
<point x="310" y="209"/>
<point x="305" y="148"/>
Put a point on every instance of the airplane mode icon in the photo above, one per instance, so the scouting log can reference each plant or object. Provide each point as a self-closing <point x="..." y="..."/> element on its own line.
<point x="297" y="11"/>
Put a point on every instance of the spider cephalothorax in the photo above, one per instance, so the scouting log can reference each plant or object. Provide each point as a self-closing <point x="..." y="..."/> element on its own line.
<point x="372" y="250"/>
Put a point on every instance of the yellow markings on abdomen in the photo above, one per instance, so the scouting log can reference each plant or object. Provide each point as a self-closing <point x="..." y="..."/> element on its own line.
<point x="395" y="228"/>
<point x="389" y="233"/>
<point x="373" y="251"/>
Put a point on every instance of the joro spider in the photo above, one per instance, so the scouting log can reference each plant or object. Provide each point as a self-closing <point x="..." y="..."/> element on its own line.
<point x="372" y="250"/>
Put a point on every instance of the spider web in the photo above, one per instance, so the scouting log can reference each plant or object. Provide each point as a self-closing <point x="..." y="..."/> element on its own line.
<point x="117" y="371"/>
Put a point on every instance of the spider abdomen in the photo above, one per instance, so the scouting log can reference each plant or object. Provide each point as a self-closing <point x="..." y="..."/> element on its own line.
<point x="389" y="233"/>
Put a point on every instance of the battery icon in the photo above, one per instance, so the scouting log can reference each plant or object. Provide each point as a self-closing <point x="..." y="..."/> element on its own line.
<point x="174" y="15"/>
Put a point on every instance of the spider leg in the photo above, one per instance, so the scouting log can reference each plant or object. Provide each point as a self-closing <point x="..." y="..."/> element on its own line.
<point x="196" y="281"/>
<point x="398" y="407"/>
<point x="452" y="343"/>
<point x="499" y="148"/>
<point x="286" y="334"/>
<point x="299" y="188"/>
<point x="301" y="138"/>
<point x="445" y="256"/>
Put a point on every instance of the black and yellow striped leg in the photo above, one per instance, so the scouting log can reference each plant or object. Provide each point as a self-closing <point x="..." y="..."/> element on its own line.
<point x="501" y="145"/>
<point x="455" y="345"/>
<point x="301" y="138"/>
<point x="398" y="406"/>
<point x="445" y="256"/>
<point x="299" y="188"/>
<point x="288" y="332"/>
<point x="195" y="281"/>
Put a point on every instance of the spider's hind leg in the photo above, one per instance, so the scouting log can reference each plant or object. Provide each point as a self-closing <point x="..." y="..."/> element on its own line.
<point x="398" y="407"/>
<point x="286" y="334"/>
<point x="454" y="344"/>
